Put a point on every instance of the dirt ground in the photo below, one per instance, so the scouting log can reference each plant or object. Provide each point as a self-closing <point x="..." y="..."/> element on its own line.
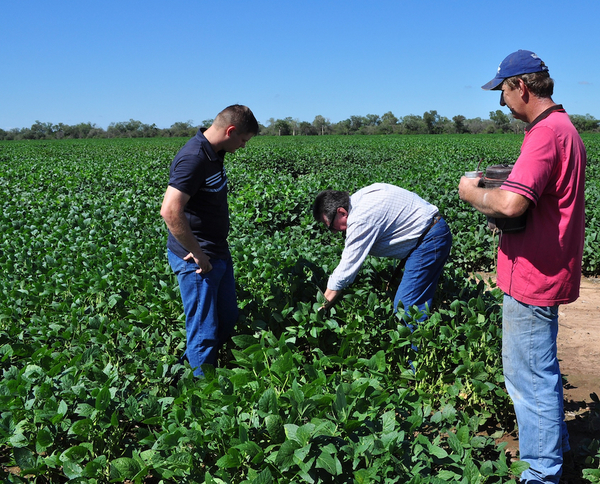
<point x="579" y="354"/>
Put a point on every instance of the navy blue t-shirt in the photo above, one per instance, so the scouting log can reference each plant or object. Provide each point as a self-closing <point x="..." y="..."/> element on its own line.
<point x="199" y="172"/>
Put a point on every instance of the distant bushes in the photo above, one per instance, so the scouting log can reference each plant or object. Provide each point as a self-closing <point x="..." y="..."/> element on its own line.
<point x="430" y="123"/>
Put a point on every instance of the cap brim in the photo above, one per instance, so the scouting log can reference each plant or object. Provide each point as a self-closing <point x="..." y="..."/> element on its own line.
<point x="493" y="85"/>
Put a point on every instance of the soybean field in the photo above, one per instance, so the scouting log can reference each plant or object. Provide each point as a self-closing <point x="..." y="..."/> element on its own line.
<point x="92" y="325"/>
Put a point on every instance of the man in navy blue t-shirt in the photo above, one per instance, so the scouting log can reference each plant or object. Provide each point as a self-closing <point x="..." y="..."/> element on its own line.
<point x="196" y="212"/>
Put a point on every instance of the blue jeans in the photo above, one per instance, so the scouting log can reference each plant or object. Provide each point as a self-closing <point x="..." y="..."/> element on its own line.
<point x="533" y="380"/>
<point x="423" y="269"/>
<point x="210" y="306"/>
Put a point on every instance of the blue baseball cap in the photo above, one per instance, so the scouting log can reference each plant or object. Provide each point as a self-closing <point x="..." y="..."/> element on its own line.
<point x="515" y="64"/>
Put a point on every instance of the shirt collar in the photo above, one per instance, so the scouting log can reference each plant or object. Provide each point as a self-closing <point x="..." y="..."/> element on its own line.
<point x="544" y="115"/>
<point x="208" y="149"/>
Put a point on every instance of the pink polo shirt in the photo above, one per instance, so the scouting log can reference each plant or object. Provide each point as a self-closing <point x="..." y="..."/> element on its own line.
<point x="542" y="265"/>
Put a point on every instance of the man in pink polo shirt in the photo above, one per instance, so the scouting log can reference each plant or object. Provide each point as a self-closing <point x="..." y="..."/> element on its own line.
<point x="539" y="268"/>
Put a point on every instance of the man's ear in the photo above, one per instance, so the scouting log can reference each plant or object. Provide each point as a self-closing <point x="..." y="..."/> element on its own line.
<point x="230" y="129"/>
<point x="524" y="90"/>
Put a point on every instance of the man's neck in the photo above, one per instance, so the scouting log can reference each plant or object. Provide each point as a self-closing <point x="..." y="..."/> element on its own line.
<point x="215" y="137"/>
<point x="538" y="106"/>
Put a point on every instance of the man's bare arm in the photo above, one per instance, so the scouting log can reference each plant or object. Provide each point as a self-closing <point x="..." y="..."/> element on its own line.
<point x="493" y="202"/>
<point x="172" y="212"/>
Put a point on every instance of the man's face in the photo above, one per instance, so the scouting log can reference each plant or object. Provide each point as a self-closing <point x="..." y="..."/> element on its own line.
<point x="236" y="139"/>
<point x="511" y="98"/>
<point x="339" y="222"/>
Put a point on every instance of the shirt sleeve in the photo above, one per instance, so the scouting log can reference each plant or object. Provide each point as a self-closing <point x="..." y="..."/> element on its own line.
<point x="187" y="174"/>
<point x="535" y="165"/>
<point x="360" y="237"/>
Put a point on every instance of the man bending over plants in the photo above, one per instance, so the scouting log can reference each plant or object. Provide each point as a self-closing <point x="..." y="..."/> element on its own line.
<point x="196" y="212"/>
<point x="387" y="221"/>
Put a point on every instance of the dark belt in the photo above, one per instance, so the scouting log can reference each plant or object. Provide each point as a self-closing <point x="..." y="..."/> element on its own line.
<point x="436" y="218"/>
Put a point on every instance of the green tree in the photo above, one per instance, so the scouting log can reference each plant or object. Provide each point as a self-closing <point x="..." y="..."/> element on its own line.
<point x="501" y="121"/>
<point x="282" y="127"/>
<point x="478" y="125"/>
<point x="389" y="123"/>
<point x="432" y="120"/>
<point x="584" y="123"/>
<point x="356" y="123"/>
<point x="41" y="130"/>
<point x="307" y="129"/>
<point x="413" y="124"/>
<point x="372" y="120"/>
<point x="459" y="124"/>
<point x="343" y="127"/>
<point x="321" y="124"/>
<point x="181" y="129"/>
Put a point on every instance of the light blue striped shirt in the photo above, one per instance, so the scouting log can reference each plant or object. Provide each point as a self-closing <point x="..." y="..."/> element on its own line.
<point x="385" y="221"/>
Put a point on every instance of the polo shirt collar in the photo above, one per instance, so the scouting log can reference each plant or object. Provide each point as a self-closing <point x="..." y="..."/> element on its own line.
<point x="544" y="115"/>
<point x="208" y="149"/>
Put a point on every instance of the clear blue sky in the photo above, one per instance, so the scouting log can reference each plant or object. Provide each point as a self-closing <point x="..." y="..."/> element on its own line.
<point x="167" y="61"/>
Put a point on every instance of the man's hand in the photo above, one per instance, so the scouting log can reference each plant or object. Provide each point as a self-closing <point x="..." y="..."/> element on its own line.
<point x="203" y="262"/>
<point x="172" y="211"/>
<point x="330" y="297"/>
<point x="465" y="188"/>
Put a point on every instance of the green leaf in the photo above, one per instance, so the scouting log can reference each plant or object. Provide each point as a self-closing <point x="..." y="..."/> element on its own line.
<point x="103" y="398"/>
<point x="388" y="422"/>
<point x="244" y="341"/>
<point x="124" y="468"/>
<point x="305" y="433"/>
<point x="340" y="404"/>
<point x="470" y="471"/>
<point x="19" y="440"/>
<point x="43" y="440"/>
<point x="265" y="477"/>
<point x="297" y="392"/>
<point x="285" y="455"/>
<point x="81" y="427"/>
<point x="268" y="402"/>
<point x="24" y="458"/>
<point x="33" y="373"/>
<point x="72" y="469"/>
<point x="226" y="385"/>
<point x="518" y="467"/>
<point x="230" y="460"/>
<point x="592" y="475"/>
<point x="76" y="453"/>
<point x="463" y="436"/>
<point x="455" y="445"/>
<point x="437" y="451"/>
<point x="283" y="365"/>
<point x="274" y="424"/>
<point x="328" y="460"/>
<point x="377" y="361"/>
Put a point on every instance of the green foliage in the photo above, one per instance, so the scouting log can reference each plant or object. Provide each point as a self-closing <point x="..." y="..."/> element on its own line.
<point x="91" y="323"/>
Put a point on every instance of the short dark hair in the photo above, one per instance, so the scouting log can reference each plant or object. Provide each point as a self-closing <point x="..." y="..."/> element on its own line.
<point x="239" y="116"/>
<point x="539" y="83"/>
<point x="327" y="202"/>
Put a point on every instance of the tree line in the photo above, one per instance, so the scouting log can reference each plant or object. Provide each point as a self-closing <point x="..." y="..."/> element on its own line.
<point x="429" y="123"/>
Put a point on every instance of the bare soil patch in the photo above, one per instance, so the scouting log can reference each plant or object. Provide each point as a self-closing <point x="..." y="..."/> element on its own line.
<point x="579" y="353"/>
